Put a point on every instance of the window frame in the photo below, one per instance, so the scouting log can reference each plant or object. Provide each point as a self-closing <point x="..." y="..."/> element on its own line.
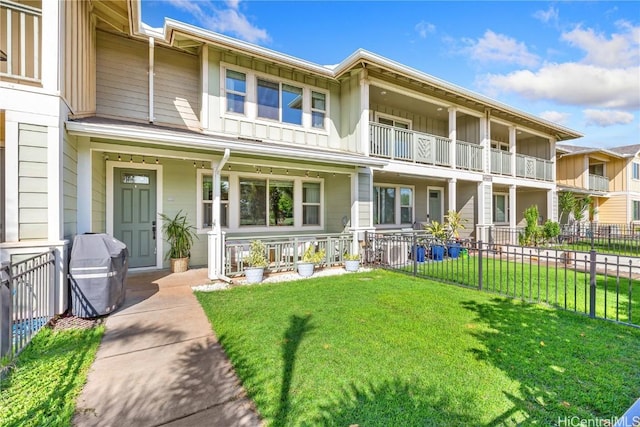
<point x="506" y="205"/>
<point x="395" y="120"/>
<point x="635" y="210"/>
<point x="397" y="204"/>
<point x="233" y="92"/>
<point x="201" y="202"/>
<point x="635" y="171"/>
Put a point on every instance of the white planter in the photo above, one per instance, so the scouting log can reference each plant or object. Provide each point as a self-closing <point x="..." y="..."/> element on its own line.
<point x="305" y="269"/>
<point x="352" y="265"/>
<point x="254" y="274"/>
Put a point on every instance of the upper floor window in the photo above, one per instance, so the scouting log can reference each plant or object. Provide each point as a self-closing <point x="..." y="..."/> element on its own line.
<point x="636" y="170"/>
<point x="270" y="95"/>
<point x="318" y="109"/>
<point x="596" y="169"/>
<point x="236" y="88"/>
<point x="499" y="145"/>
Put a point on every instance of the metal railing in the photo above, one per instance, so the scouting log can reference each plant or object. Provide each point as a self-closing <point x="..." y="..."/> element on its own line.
<point x="501" y="162"/>
<point x="599" y="285"/>
<point x="401" y="144"/>
<point x="26" y="300"/>
<point x="284" y="252"/>
<point x="468" y="156"/>
<point x="598" y="183"/>
<point x="20" y="40"/>
<point x="534" y="168"/>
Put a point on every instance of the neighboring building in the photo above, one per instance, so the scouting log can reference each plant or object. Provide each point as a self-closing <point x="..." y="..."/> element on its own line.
<point x="120" y="122"/>
<point x="611" y="177"/>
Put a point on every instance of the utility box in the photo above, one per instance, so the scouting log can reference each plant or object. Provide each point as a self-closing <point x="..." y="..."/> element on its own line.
<point x="97" y="273"/>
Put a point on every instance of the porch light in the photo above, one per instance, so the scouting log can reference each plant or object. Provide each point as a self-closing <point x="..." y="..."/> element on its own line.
<point x="318" y="175"/>
<point x="229" y="167"/>
<point x="194" y="164"/>
<point x="3" y="56"/>
<point x="143" y="160"/>
<point x="202" y="165"/>
<point x="157" y="161"/>
<point x="131" y="158"/>
<point x="119" y="158"/>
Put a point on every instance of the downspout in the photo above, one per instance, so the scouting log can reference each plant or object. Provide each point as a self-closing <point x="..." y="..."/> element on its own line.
<point x="217" y="230"/>
<point x="151" y="74"/>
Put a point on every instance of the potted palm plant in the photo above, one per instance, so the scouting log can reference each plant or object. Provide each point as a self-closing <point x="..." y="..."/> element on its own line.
<point x="352" y="262"/>
<point x="255" y="262"/>
<point x="310" y="258"/>
<point x="439" y="234"/>
<point x="455" y="222"/>
<point x="180" y="235"/>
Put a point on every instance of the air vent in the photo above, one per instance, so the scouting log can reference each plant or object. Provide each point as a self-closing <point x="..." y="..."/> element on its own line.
<point x="243" y="138"/>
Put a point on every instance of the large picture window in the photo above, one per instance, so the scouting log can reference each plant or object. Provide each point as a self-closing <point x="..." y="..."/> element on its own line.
<point x="253" y="201"/>
<point x="236" y="88"/>
<point x="393" y="205"/>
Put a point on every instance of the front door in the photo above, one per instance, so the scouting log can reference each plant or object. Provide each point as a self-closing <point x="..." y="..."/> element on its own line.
<point x="435" y="205"/>
<point x="134" y="211"/>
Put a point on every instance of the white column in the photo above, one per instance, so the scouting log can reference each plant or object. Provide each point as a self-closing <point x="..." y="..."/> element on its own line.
<point x="452" y="136"/>
<point x="51" y="45"/>
<point x="355" y="221"/>
<point x="585" y="173"/>
<point x="552" y="157"/>
<point x="364" y="112"/>
<point x="512" y="149"/>
<point x="552" y="204"/>
<point x="451" y="193"/>
<point x="484" y="206"/>
<point x="512" y="207"/>
<point x="84" y="190"/>
<point x="151" y="76"/>
<point x="11" y="179"/>
<point x="54" y="183"/>
<point x="204" y="75"/>
<point x="485" y="141"/>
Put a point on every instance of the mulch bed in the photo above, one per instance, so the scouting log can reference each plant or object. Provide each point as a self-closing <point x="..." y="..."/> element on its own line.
<point x="67" y="321"/>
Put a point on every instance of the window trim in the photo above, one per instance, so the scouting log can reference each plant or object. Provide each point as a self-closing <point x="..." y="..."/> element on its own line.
<point x="493" y="208"/>
<point x="395" y="119"/>
<point x="227" y="91"/>
<point x="635" y="203"/>
<point x="635" y="167"/>
<point x="398" y="204"/>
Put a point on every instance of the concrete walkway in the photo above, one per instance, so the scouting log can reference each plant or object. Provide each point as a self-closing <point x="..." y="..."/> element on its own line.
<point x="159" y="362"/>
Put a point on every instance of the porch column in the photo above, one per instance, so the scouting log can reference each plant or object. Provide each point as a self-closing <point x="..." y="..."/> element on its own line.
<point x="361" y="204"/>
<point x="485" y="141"/>
<point x="513" y="223"/>
<point x="51" y="55"/>
<point x="452" y="136"/>
<point x="485" y="209"/>
<point x="552" y="157"/>
<point x="585" y="173"/>
<point x="85" y="180"/>
<point x="451" y="192"/>
<point x="204" y="75"/>
<point x="364" y="112"/>
<point x="512" y="149"/>
<point x="552" y="205"/>
<point x="11" y="214"/>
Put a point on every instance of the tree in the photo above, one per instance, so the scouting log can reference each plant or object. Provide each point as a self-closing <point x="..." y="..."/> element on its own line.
<point x="567" y="203"/>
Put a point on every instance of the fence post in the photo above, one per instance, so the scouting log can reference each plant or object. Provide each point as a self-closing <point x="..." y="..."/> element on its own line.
<point x="480" y="265"/>
<point x="414" y="252"/>
<point x="592" y="283"/>
<point x="5" y="310"/>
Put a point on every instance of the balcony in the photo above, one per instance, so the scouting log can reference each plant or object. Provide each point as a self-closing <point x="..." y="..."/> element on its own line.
<point x="534" y="168"/>
<point x="501" y="162"/>
<point x="20" y="42"/>
<point x="598" y="183"/>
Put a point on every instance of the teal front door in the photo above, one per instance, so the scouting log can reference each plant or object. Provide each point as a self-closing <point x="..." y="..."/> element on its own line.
<point x="134" y="212"/>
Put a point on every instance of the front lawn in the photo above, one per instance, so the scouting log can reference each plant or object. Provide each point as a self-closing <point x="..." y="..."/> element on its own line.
<point x="382" y="348"/>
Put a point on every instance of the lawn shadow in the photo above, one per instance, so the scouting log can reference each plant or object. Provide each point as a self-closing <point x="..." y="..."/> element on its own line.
<point x="566" y="364"/>
<point x="393" y="403"/>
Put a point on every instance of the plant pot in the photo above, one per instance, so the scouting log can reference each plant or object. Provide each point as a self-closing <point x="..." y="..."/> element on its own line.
<point x="453" y="249"/>
<point x="305" y="269"/>
<point x="437" y="252"/>
<point x="352" y="265"/>
<point x="254" y="274"/>
<point x="420" y="252"/>
<point x="179" y="265"/>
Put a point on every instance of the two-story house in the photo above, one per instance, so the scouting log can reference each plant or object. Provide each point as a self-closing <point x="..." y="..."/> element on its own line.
<point x="245" y="140"/>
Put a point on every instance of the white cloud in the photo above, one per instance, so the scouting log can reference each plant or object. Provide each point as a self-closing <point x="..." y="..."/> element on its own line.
<point x="572" y="83"/>
<point x="620" y="50"/>
<point x="494" y="47"/>
<point x="424" y="28"/>
<point x="226" y="19"/>
<point x="545" y="16"/>
<point x="605" y="118"/>
<point x="556" y="117"/>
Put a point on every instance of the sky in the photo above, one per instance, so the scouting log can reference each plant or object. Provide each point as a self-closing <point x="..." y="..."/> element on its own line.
<point x="575" y="63"/>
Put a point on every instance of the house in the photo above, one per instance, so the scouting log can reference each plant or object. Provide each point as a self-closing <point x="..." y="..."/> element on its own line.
<point x="610" y="177"/>
<point x="119" y="122"/>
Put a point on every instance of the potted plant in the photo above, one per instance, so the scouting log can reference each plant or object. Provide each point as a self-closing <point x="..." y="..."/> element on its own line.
<point x="455" y="222"/>
<point x="439" y="234"/>
<point x="352" y="262"/>
<point x="180" y="236"/>
<point x="310" y="258"/>
<point x="255" y="262"/>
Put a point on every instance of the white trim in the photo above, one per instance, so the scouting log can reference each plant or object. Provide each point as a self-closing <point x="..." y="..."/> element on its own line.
<point x="85" y="185"/>
<point x="110" y="166"/>
<point x="398" y="203"/>
<point x="377" y="115"/>
<point x="441" y="190"/>
<point x="54" y="183"/>
<point x="507" y="200"/>
<point x="204" y="75"/>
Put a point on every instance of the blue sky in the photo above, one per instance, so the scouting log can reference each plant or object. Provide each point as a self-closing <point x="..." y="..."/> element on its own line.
<point x="576" y="63"/>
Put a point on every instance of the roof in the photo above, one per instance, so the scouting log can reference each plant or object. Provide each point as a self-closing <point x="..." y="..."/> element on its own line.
<point x="627" y="150"/>
<point x="570" y="150"/>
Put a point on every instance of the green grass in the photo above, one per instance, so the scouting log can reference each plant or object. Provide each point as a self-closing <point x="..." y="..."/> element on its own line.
<point x="48" y="375"/>
<point x="382" y="348"/>
<point x="629" y="247"/>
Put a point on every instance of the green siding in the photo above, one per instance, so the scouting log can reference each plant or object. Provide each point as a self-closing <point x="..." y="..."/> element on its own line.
<point x="70" y="186"/>
<point x="98" y="193"/>
<point x="365" y="198"/>
<point x="337" y="201"/>
<point x="32" y="182"/>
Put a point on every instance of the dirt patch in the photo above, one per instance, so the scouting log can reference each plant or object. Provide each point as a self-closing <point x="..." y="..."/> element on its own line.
<point x="67" y="321"/>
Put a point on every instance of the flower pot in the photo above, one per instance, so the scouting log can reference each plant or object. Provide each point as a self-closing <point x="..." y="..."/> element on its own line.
<point x="437" y="252"/>
<point x="179" y="265"/>
<point x="305" y="269"/>
<point x="352" y="265"/>
<point x="254" y="274"/>
<point x="420" y="252"/>
<point x="453" y="249"/>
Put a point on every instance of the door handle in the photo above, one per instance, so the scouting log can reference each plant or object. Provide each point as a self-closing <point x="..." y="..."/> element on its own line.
<point x="153" y="229"/>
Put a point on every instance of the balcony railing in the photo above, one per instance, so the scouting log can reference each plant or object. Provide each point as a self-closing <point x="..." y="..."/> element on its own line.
<point x="501" y="162"/>
<point x="468" y="156"/>
<point x="598" y="183"/>
<point x="534" y="168"/>
<point x="401" y="144"/>
<point x="20" y="40"/>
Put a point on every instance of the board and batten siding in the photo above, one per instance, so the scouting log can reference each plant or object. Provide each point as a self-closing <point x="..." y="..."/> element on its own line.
<point x="526" y="199"/>
<point x="466" y="193"/>
<point x="122" y="85"/>
<point x="33" y="215"/>
<point x="70" y="185"/>
<point x="534" y="147"/>
<point x="364" y="199"/>
<point x="419" y="122"/>
<point x="98" y="193"/>
<point x="570" y="171"/>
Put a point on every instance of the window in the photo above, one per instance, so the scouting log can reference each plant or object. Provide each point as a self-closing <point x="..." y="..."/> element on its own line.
<point x="269" y="102"/>
<point x="253" y="201"/>
<point x="207" y="201"/>
<point x="389" y="209"/>
<point x="318" y="109"/>
<point x="500" y="208"/>
<point x="636" y="210"/>
<point x="280" y="203"/>
<point x="498" y="145"/>
<point x="236" y="88"/>
<point x="636" y="170"/>
<point x="311" y="203"/>
<point x="597" y="169"/>
<point x="291" y="104"/>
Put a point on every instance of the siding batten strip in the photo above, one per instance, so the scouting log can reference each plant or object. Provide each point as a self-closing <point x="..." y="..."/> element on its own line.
<point x="23" y="45"/>
<point x="151" y="72"/>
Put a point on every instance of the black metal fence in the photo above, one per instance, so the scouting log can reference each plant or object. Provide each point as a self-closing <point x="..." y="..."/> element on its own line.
<point x="590" y="282"/>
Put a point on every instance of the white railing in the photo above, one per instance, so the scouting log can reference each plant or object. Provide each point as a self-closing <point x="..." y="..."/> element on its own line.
<point x="598" y="183"/>
<point x="27" y="300"/>
<point x="20" y="41"/>
<point x="501" y="162"/>
<point x="534" y="168"/>
<point x="468" y="156"/>
<point x="401" y="144"/>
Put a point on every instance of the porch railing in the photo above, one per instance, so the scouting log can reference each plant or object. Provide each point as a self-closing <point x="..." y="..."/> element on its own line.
<point x="20" y="40"/>
<point x="501" y="162"/>
<point x="27" y="300"/>
<point x="598" y="183"/>
<point x="468" y="156"/>
<point x="534" y="168"/>
<point x="402" y="144"/>
<point x="284" y="252"/>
